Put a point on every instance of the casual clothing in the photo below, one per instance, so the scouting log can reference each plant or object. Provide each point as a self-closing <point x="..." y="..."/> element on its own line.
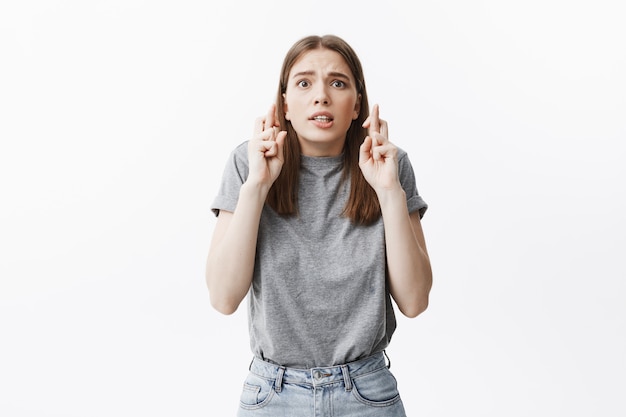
<point x="320" y="313"/>
<point x="319" y="295"/>
<point x="364" y="388"/>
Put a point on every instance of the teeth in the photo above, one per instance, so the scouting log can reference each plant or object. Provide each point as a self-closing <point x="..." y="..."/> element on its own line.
<point x="322" y="118"/>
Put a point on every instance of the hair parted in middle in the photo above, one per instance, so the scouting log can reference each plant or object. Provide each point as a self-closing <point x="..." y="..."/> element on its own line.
<point x="362" y="206"/>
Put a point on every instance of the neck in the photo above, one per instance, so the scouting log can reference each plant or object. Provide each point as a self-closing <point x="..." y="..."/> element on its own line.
<point x="317" y="149"/>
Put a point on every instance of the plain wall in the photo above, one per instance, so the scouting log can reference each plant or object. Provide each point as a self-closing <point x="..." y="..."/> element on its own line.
<point x="116" y="119"/>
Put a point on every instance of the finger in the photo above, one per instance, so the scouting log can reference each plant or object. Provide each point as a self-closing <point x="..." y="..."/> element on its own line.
<point x="258" y="126"/>
<point x="280" y="137"/>
<point x="260" y="146"/>
<point x="270" y="120"/>
<point x="365" y="151"/>
<point x="276" y="118"/>
<point x="380" y="153"/>
<point x="272" y="148"/>
<point x="374" y="120"/>
<point x="386" y="151"/>
<point x="378" y="139"/>
<point x="376" y="154"/>
<point x="384" y="129"/>
<point x="280" y="141"/>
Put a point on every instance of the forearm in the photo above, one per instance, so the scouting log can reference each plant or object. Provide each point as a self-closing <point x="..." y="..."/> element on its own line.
<point x="230" y="263"/>
<point x="408" y="264"/>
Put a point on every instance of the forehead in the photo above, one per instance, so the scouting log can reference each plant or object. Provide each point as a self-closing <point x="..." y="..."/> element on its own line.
<point x="321" y="60"/>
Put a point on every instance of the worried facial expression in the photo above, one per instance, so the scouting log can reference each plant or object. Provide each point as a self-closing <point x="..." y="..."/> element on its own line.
<point x="321" y="101"/>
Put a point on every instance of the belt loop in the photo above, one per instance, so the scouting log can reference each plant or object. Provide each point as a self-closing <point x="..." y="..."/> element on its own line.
<point x="388" y="360"/>
<point x="278" y="384"/>
<point x="346" y="377"/>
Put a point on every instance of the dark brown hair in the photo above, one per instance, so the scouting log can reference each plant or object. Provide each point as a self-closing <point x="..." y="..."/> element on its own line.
<point x="362" y="206"/>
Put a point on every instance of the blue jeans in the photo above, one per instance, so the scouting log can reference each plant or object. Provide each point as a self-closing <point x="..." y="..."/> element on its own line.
<point x="365" y="388"/>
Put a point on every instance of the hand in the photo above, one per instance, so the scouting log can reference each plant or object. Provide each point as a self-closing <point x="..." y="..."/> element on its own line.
<point x="377" y="156"/>
<point x="265" y="149"/>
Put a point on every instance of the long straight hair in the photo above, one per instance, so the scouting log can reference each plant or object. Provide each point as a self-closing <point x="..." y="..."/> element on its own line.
<point x="362" y="206"/>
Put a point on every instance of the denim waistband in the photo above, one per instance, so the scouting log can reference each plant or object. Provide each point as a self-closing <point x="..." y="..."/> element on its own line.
<point x="318" y="376"/>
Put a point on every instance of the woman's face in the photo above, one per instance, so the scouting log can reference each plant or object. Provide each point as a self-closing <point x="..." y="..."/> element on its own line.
<point x="321" y="101"/>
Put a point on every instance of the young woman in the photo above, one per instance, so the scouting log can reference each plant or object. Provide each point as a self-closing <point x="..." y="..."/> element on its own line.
<point x="319" y="224"/>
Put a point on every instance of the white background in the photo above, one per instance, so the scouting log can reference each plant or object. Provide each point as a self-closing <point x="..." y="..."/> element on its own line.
<point x="116" y="118"/>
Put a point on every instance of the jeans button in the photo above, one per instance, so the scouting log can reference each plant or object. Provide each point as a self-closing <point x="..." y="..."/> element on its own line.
<point x="317" y="374"/>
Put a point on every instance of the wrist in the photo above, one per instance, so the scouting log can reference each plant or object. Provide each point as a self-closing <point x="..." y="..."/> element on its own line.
<point x="254" y="190"/>
<point x="388" y="197"/>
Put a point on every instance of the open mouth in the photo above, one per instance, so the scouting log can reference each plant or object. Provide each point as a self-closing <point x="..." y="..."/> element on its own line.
<point x="323" y="119"/>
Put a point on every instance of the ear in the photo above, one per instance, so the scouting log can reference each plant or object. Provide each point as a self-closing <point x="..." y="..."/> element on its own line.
<point x="357" y="107"/>
<point x="285" y="107"/>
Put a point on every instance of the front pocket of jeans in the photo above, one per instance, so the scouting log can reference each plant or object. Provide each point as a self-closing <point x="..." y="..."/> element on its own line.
<point x="256" y="393"/>
<point x="378" y="389"/>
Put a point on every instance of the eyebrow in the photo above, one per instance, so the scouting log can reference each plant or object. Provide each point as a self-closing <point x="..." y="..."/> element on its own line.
<point x="331" y="74"/>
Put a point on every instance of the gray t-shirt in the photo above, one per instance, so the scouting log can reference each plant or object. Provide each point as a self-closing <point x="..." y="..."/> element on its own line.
<point x="319" y="294"/>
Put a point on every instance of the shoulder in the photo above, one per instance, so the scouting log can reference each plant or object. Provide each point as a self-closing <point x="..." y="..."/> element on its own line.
<point x="404" y="162"/>
<point x="241" y="151"/>
<point x="237" y="162"/>
<point x="402" y="154"/>
<point x="239" y="155"/>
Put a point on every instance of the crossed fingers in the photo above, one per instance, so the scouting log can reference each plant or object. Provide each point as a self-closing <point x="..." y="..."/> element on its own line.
<point x="267" y="127"/>
<point x="377" y="128"/>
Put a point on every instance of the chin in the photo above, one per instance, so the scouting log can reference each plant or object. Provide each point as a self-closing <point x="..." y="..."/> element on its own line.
<point x="322" y="137"/>
<point x="323" y="140"/>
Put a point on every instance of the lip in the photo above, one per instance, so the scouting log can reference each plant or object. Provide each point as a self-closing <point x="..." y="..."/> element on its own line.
<point x="322" y="124"/>
<point x="323" y="114"/>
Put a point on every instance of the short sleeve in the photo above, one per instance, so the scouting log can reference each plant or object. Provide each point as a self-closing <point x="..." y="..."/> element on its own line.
<point x="235" y="174"/>
<point x="407" y="179"/>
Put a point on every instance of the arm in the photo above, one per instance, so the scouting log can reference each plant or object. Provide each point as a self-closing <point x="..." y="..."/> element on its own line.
<point x="408" y="264"/>
<point x="231" y="256"/>
<point x="230" y="263"/>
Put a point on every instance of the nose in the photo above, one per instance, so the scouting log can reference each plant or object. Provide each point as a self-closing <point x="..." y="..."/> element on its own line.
<point x="321" y="95"/>
<point x="321" y="100"/>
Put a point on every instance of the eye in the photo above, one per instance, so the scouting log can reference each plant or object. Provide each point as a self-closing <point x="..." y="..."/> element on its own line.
<point x="303" y="83"/>
<point x="338" y="84"/>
